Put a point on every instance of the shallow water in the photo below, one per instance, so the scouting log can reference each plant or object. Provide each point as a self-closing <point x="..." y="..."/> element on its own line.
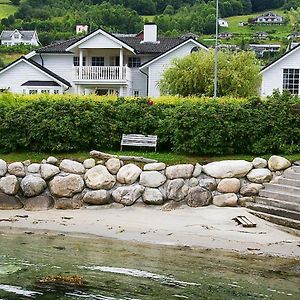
<point x="125" y="271"/>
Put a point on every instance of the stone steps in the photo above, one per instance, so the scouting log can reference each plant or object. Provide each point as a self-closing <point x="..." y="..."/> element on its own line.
<point x="277" y="219"/>
<point x="281" y="188"/>
<point x="289" y="182"/>
<point x="278" y="203"/>
<point x="281" y="212"/>
<point x="289" y="197"/>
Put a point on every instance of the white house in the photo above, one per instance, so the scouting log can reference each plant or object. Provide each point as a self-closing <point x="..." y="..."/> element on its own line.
<point x="282" y="74"/>
<point x="99" y="62"/>
<point x="269" y="18"/>
<point x="17" y="37"/>
<point x="223" y="23"/>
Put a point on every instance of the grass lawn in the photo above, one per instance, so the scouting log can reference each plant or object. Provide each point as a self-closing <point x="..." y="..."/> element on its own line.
<point x="6" y="9"/>
<point x="8" y="58"/>
<point x="168" y="158"/>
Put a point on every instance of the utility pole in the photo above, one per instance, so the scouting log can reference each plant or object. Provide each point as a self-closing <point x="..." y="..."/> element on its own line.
<point x="216" y="51"/>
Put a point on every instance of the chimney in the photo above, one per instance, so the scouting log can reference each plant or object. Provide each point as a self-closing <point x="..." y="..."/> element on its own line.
<point x="82" y="29"/>
<point x="150" y="33"/>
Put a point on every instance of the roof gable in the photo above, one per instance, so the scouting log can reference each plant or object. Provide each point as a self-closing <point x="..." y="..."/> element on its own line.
<point x="184" y="42"/>
<point x="282" y="57"/>
<point x="99" y="32"/>
<point x="26" y="34"/>
<point x="42" y="69"/>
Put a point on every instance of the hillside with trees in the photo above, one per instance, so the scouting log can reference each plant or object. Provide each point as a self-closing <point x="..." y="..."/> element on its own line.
<point x="56" y="19"/>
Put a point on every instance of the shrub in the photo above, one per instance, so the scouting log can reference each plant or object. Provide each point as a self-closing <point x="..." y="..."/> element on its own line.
<point x="190" y="125"/>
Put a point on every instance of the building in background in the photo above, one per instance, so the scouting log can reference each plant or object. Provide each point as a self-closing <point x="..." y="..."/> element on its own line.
<point x="19" y="37"/>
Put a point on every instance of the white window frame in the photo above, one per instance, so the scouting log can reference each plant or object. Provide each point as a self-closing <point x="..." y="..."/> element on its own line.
<point x="134" y="62"/>
<point x="98" y="61"/>
<point x="291" y="80"/>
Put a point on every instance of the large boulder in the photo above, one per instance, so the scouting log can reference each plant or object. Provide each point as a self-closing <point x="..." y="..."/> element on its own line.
<point x="197" y="170"/>
<point x="259" y="162"/>
<point x="69" y="203"/>
<point x="229" y="185"/>
<point x="154" y="166"/>
<point x="71" y="166"/>
<point x="48" y="171"/>
<point x="251" y="189"/>
<point x="98" y="178"/>
<point x="198" y="196"/>
<point x="127" y="195"/>
<point x="3" y="167"/>
<point x="52" y="160"/>
<point x="89" y="163"/>
<point x="222" y="200"/>
<point x="66" y="186"/>
<point x="9" y="185"/>
<point x="39" y="203"/>
<point x="129" y="174"/>
<point x="113" y="165"/>
<point x="228" y="168"/>
<point x="177" y="190"/>
<point x="33" y="185"/>
<point x="152" y="196"/>
<point x="259" y="175"/>
<point x="99" y="197"/>
<point x="152" y="179"/>
<point x="34" y="168"/>
<point x="207" y="182"/>
<point x="179" y="171"/>
<point x="277" y="163"/>
<point x="9" y="202"/>
<point x="17" y="169"/>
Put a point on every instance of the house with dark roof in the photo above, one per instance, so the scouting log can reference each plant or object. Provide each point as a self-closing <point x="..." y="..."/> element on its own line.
<point x="282" y="74"/>
<point x="17" y="37"/>
<point x="269" y="18"/>
<point x="99" y="63"/>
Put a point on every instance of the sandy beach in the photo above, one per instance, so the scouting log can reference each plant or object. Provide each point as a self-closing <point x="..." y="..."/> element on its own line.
<point x="206" y="227"/>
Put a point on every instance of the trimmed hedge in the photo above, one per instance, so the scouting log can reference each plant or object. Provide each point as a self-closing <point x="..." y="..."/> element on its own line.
<point x="48" y="123"/>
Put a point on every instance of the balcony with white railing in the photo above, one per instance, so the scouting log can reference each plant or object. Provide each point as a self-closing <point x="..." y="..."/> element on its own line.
<point x="109" y="74"/>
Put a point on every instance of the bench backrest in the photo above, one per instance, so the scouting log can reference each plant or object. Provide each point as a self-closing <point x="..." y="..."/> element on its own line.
<point x="139" y="140"/>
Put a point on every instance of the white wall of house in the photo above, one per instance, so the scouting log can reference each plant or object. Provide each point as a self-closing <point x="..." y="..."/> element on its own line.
<point x="99" y="41"/>
<point x="14" y="77"/>
<point x="17" y="39"/>
<point x="272" y="78"/>
<point x="156" y="69"/>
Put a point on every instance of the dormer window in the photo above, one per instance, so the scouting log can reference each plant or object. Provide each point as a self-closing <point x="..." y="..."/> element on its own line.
<point x="16" y="36"/>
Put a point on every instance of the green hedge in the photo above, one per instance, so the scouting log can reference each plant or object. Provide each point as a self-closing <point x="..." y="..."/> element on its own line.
<point x="193" y="126"/>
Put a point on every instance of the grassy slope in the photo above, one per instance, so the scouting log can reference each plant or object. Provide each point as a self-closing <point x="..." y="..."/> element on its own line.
<point x="6" y="9"/>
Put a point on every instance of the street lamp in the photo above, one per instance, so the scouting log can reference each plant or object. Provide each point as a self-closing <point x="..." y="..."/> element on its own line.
<point x="216" y="51"/>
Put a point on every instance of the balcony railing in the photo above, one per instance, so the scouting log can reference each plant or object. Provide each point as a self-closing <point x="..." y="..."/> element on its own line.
<point x="102" y="73"/>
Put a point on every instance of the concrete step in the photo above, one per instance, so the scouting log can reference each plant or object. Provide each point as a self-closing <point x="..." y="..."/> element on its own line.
<point x="291" y="175"/>
<point x="289" y="182"/>
<point x="278" y="203"/>
<point x="274" y="211"/>
<point x="282" y="188"/>
<point x="296" y="169"/>
<point x="280" y="196"/>
<point x="277" y="219"/>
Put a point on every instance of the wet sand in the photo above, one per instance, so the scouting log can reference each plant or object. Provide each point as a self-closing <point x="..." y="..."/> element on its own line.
<point x="207" y="227"/>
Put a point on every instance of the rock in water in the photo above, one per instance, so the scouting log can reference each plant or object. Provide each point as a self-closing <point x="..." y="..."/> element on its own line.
<point x="228" y="168"/>
<point x="198" y="196"/>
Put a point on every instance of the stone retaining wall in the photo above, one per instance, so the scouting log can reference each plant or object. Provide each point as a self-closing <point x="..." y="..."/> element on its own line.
<point x="69" y="184"/>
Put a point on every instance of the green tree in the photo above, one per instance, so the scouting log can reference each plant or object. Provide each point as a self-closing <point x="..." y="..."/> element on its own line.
<point x="193" y="75"/>
<point x="15" y="2"/>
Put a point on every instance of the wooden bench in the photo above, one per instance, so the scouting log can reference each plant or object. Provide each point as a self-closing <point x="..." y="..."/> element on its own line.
<point x="139" y="140"/>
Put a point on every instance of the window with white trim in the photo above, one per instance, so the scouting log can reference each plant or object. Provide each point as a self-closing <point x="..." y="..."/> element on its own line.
<point x="97" y="61"/>
<point x="134" y="62"/>
<point x="291" y="81"/>
<point x="76" y="61"/>
<point x="56" y="92"/>
<point x="45" y="91"/>
<point x="32" y="92"/>
<point x="136" y="93"/>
